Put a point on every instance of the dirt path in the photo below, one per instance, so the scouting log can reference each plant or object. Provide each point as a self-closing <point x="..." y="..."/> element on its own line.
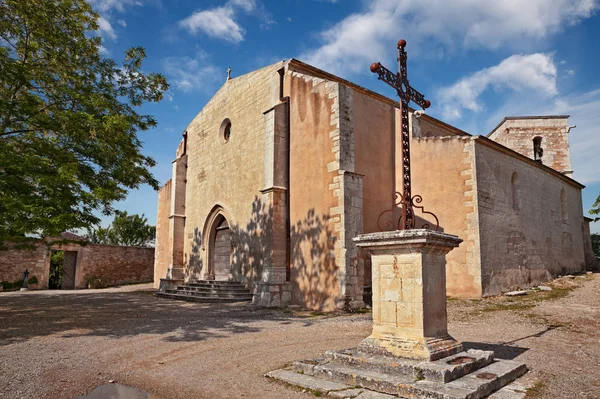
<point x="63" y="344"/>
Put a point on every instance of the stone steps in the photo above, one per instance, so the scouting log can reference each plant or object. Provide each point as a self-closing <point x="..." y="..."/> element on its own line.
<point x="443" y="370"/>
<point x="209" y="291"/>
<point x="475" y="385"/>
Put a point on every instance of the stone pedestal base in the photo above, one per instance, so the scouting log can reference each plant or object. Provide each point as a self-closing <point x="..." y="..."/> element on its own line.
<point x="272" y="295"/>
<point x="175" y="272"/>
<point x="169" y="284"/>
<point x="409" y="294"/>
<point x="429" y="349"/>
<point x="472" y="374"/>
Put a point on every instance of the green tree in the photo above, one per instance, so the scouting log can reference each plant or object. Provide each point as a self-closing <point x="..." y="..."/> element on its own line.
<point x="596" y="244"/>
<point x="596" y="209"/>
<point x="125" y="229"/>
<point x="68" y="119"/>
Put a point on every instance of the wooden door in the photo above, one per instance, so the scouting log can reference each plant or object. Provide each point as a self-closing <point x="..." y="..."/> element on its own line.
<point x="222" y="252"/>
<point x="69" y="265"/>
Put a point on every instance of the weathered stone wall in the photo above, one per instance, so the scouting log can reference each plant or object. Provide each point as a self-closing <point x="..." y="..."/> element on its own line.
<point x="13" y="263"/>
<point x="229" y="175"/>
<point x="113" y="264"/>
<point x="314" y="211"/>
<point x="443" y="173"/>
<point x="163" y="243"/>
<point x="517" y="133"/>
<point x="530" y="220"/>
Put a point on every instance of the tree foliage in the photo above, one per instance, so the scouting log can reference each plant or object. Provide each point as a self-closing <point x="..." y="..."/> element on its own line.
<point x="596" y="209"/>
<point x="125" y="229"/>
<point x="69" y="119"/>
<point x="596" y="244"/>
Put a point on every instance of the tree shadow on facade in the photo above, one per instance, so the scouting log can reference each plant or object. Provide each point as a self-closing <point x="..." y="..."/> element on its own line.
<point x="252" y="244"/>
<point x="195" y="261"/>
<point x="315" y="273"/>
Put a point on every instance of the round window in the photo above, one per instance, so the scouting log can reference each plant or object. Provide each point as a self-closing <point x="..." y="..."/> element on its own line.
<point x="225" y="130"/>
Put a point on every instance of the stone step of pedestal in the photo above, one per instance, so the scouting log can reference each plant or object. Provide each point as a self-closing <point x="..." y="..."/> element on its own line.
<point x="203" y="298"/>
<point x="225" y="290"/>
<point x="443" y="370"/>
<point x="241" y="295"/>
<point x="475" y="385"/>
<point x="221" y="283"/>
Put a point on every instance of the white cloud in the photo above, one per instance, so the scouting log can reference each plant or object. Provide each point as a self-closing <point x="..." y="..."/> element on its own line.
<point x="217" y="22"/>
<point x="246" y="5"/>
<point x="570" y="72"/>
<point x="103" y="50"/>
<point x="221" y="23"/>
<point x="106" y="28"/>
<point x="122" y="23"/>
<point x="358" y="39"/>
<point x="534" y="72"/>
<point x="109" y="5"/>
<point x="189" y="74"/>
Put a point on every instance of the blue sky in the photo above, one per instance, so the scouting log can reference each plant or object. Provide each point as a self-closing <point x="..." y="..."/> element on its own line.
<point x="476" y="60"/>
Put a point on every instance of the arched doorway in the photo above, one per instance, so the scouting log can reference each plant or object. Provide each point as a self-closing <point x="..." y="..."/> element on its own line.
<point x="221" y="250"/>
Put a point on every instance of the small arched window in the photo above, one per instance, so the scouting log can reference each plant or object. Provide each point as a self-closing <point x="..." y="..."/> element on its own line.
<point x="563" y="205"/>
<point x="514" y="185"/>
<point x="538" y="151"/>
<point x="225" y="130"/>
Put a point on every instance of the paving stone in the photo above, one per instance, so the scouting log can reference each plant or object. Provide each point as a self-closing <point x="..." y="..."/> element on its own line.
<point x="516" y="293"/>
<point x="347" y="393"/>
<point x="516" y="390"/>
<point x="544" y="288"/>
<point x="491" y="378"/>
<point x="306" y="381"/>
<point x="374" y="395"/>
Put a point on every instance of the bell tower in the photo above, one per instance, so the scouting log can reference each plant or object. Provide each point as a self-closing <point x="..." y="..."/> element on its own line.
<point x="541" y="138"/>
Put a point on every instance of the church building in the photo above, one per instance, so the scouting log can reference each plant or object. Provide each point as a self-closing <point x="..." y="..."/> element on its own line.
<point x="286" y="164"/>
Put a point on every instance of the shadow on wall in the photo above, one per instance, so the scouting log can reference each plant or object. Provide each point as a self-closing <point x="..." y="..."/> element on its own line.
<point x="195" y="262"/>
<point x="314" y="273"/>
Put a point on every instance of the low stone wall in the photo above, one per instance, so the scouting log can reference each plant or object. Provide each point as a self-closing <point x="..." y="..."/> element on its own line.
<point x="14" y="260"/>
<point x="113" y="264"/>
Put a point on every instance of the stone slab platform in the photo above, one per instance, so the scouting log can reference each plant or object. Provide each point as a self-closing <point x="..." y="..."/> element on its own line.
<point x="479" y="383"/>
<point x="443" y="370"/>
<point x="337" y="390"/>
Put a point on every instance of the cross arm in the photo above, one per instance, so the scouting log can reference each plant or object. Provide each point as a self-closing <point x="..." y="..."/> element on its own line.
<point x="395" y="81"/>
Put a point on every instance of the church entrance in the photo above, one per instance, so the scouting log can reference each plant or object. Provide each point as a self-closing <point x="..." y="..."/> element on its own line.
<point x="221" y="254"/>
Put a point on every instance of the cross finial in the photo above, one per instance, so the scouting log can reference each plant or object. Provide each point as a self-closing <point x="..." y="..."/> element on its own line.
<point x="399" y="81"/>
<point x="228" y="73"/>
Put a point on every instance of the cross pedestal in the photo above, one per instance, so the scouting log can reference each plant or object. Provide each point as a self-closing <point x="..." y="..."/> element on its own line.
<point x="409" y="294"/>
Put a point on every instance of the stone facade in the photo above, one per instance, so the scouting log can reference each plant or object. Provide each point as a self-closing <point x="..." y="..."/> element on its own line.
<point x="113" y="264"/>
<point x="313" y="160"/>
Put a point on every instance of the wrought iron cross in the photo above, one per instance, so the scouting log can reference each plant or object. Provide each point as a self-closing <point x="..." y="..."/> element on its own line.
<point x="399" y="81"/>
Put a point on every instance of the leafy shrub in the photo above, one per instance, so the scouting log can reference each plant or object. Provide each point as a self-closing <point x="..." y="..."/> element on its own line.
<point x="96" y="282"/>
<point x="16" y="285"/>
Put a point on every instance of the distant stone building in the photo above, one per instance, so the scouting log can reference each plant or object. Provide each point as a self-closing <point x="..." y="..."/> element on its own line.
<point x="286" y="164"/>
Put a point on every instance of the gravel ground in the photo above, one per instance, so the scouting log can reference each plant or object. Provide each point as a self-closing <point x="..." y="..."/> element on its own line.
<point x="56" y="344"/>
